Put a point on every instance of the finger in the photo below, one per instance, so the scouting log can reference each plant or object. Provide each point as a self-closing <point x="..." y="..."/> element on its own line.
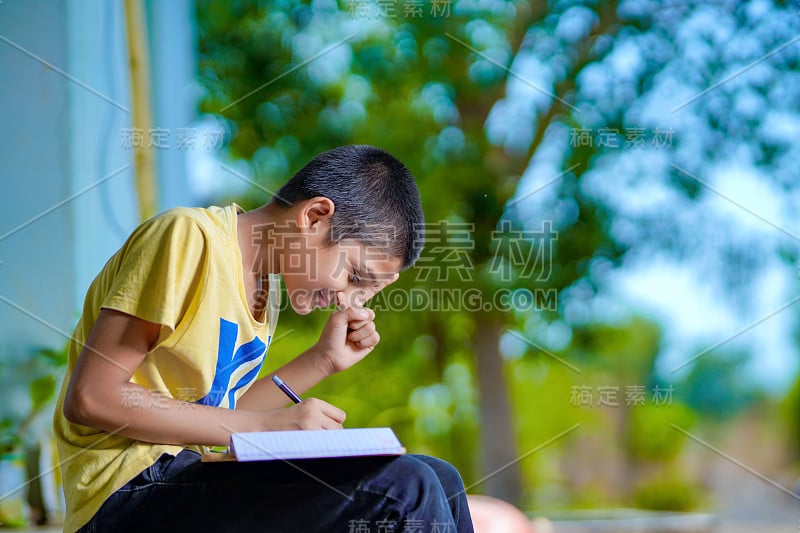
<point x="355" y="324"/>
<point x="359" y="334"/>
<point x="331" y="424"/>
<point x="365" y="327"/>
<point x="360" y="296"/>
<point x="343" y="317"/>
<point x="355" y="299"/>
<point x="369" y="341"/>
<point x="338" y="318"/>
<point x="358" y="314"/>
<point x="333" y="412"/>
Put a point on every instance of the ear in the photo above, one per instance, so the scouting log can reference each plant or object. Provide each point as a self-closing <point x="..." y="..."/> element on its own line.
<point x="315" y="211"/>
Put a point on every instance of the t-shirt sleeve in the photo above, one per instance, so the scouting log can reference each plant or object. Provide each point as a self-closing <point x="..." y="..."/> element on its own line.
<point x="160" y="270"/>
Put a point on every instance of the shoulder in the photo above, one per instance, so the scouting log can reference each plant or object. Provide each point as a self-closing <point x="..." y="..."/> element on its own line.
<point x="188" y="223"/>
<point x="184" y="216"/>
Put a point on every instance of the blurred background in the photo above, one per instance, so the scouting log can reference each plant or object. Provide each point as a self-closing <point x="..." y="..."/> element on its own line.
<point x="603" y="322"/>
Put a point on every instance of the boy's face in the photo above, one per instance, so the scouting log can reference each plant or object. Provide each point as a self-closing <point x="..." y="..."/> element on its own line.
<point x="344" y="274"/>
<point x="318" y="274"/>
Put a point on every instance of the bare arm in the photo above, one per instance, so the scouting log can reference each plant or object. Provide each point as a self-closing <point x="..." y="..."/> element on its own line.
<point x="346" y="339"/>
<point x="301" y="373"/>
<point x="117" y="345"/>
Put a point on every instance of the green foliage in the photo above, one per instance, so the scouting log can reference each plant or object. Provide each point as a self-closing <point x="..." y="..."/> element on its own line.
<point x="423" y="89"/>
<point x="41" y="391"/>
<point x="40" y="375"/>
<point x="627" y="350"/>
<point x="717" y="385"/>
<point x="540" y="392"/>
<point x="671" y="492"/>
<point x="790" y="415"/>
<point x="652" y="435"/>
<point x="54" y="358"/>
<point x="14" y="512"/>
<point x="9" y="439"/>
<point x="407" y="87"/>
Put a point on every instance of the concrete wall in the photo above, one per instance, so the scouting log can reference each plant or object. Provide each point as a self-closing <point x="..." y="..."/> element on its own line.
<point x="67" y="200"/>
<point x="36" y="235"/>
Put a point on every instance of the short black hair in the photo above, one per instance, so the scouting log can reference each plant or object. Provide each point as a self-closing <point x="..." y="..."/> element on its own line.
<point x="375" y="196"/>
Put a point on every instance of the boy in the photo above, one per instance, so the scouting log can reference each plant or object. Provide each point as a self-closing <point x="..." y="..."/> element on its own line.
<point x="174" y="331"/>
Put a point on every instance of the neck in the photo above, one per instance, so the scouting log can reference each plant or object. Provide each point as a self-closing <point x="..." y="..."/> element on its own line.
<point x="257" y="240"/>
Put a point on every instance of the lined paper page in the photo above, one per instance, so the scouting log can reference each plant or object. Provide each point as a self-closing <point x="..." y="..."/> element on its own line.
<point x="270" y="445"/>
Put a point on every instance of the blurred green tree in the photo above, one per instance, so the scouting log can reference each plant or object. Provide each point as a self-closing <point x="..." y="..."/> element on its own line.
<point x="717" y="386"/>
<point x="472" y="96"/>
<point x="418" y="89"/>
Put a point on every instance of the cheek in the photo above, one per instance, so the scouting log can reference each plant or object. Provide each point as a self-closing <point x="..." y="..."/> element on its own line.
<point x="330" y="271"/>
<point x="298" y="282"/>
<point x="300" y="297"/>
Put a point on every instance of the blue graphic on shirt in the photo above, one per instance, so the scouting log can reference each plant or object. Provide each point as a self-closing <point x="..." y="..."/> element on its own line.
<point x="229" y="361"/>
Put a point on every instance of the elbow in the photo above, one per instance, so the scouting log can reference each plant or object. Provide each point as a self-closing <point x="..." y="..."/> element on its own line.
<point x="78" y="408"/>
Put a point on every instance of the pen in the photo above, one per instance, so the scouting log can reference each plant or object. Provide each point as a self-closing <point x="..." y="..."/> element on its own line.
<point x="287" y="390"/>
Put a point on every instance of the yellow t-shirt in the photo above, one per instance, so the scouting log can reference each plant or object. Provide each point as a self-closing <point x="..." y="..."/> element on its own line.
<point x="183" y="270"/>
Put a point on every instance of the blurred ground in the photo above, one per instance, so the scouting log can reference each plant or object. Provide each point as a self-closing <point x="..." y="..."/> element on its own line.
<point x="740" y="500"/>
<point x="746" y="503"/>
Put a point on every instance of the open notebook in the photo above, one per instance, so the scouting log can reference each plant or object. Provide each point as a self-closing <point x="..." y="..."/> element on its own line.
<point x="309" y="444"/>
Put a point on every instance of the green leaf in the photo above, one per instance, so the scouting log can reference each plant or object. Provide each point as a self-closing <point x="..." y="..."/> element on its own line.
<point x="57" y="358"/>
<point x="42" y="391"/>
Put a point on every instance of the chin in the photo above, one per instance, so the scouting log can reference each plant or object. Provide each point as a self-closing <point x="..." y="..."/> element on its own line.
<point x="301" y="308"/>
<point x="299" y="300"/>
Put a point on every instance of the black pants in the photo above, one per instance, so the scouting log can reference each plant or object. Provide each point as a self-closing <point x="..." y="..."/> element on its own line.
<point x="409" y="493"/>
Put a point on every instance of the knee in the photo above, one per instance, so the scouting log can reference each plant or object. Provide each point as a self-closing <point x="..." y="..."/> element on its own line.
<point x="448" y="475"/>
<point x="415" y="478"/>
<point x="412" y="467"/>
